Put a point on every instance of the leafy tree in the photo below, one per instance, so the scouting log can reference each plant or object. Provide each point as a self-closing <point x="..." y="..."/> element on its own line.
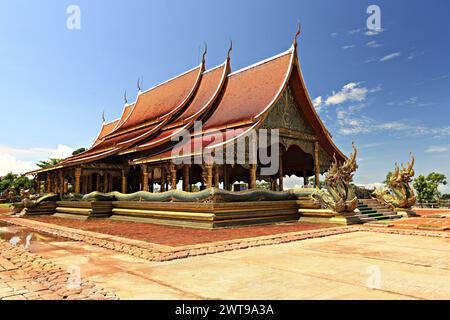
<point x="11" y="184"/>
<point x="263" y="185"/>
<point x="48" y="163"/>
<point x="427" y="187"/>
<point x="446" y="196"/>
<point x="78" y="151"/>
<point x="388" y="177"/>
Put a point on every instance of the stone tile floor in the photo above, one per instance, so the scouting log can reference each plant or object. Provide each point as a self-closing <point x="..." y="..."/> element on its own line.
<point x="334" y="263"/>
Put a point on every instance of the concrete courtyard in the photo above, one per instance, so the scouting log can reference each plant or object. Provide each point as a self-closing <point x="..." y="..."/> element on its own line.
<point x="359" y="265"/>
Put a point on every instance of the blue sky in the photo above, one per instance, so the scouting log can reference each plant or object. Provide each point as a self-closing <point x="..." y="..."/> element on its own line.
<point x="388" y="92"/>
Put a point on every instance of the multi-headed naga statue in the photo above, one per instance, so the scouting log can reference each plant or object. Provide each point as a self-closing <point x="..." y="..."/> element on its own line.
<point x="400" y="193"/>
<point x="339" y="195"/>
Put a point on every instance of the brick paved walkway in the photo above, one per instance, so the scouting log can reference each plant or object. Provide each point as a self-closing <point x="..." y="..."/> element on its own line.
<point x="27" y="276"/>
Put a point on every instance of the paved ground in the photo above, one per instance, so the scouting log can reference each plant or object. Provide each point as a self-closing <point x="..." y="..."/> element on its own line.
<point x="333" y="263"/>
<point x="361" y="265"/>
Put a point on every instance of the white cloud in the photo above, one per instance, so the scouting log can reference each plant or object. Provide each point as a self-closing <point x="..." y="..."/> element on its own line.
<point x="349" y="92"/>
<point x="390" y="56"/>
<point x="318" y="103"/>
<point x="436" y="149"/>
<point x="373" y="44"/>
<point x="23" y="160"/>
<point x="61" y="152"/>
<point x="334" y="34"/>
<point x="348" y="46"/>
<point x="9" y="163"/>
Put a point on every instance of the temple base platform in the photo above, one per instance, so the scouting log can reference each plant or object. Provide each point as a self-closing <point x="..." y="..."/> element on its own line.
<point x="328" y="216"/>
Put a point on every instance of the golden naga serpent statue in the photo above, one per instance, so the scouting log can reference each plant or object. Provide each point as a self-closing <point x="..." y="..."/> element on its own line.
<point x="339" y="195"/>
<point x="400" y="193"/>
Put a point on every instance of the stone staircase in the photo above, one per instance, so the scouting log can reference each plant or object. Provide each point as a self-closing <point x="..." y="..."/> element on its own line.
<point x="372" y="210"/>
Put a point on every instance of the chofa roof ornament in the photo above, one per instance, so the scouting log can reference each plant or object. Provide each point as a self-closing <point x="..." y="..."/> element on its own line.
<point x="296" y="34"/>
<point x="204" y="53"/>
<point x="125" y="97"/>
<point x="230" y="49"/>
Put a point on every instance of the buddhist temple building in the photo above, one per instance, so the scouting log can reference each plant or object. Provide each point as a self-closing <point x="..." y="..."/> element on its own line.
<point x="138" y="150"/>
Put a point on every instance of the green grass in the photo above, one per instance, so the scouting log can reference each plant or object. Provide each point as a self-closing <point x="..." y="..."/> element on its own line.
<point x="5" y="205"/>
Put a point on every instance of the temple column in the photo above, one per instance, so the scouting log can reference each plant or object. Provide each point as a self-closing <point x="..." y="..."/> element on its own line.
<point x="110" y="180"/>
<point x="124" y="182"/>
<point x="61" y="182"/>
<point x="216" y="176"/>
<point x="252" y="177"/>
<point x="66" y="186"/>
<point x="89" y="183"/>
<point x="78" y="180"/>
<point x="105" y="182"/>
<point x="281" y="172"/>
<point x="97" y="182"/>
<point x="55" y="183"/>
<point x="273" y="184"/>
<point x="305" y="179"/>
<point x="163" y="179"/>
<point x="208" y="175"/>
<point x="226" y="177"/>
<point x="152" y="179"/>
<point x="144" y="177"/>
<point x="186" y="177"/>
<point x="38" y="184"/>
<point x="316" y="164"/>
<point x="173" y="176"/>
<point x="48" y="184"/>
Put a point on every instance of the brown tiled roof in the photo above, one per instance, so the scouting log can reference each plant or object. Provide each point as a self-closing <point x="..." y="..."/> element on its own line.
<point x="163" y="100"/>
<point x="106" y="129"/>
<point x="250" y="91"/>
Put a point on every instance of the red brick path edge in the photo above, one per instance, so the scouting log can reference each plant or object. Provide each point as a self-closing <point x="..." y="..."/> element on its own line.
<point x="159" y="253"/>
<point x="27" y="276"/>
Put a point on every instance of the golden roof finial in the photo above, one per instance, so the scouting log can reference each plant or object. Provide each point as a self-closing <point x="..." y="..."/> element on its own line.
<point x="125" y="97"/>
<point x="204" y="53"/>
<point x="230" y="49"/>
<point x="297" y="34"/>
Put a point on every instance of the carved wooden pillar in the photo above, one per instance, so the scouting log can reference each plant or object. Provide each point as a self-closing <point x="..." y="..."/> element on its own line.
<point x="61" y="182"/>
<point x="88" y="183"/>
<point x="97" y="182"/>
<point x="124" y="182"/>
<point x="152" y="179"/>
<point x="252" y="177"/>
<point x="48" y="184"/>
<point x="173" y="176"/>
<point x="281" y="172"/>
<point x="163" y="179"/>
<point x="216" y="176"/>
<point x="105" y="182"/>
<point x="55" y="183"/>
<point x="273" y="184"/>
<point x="37" y="187"/>
<point x="110" y="180"/>
<point x="226" y="177"/>
<point x="66" y="186"/>
<point x="186" y="177"/>
<point x="316" y="164"/>
<point x="78" y="180"/>
<point x="144" y="177"/>
<point x="305" y="179"/>
<point x="208" y="176"/>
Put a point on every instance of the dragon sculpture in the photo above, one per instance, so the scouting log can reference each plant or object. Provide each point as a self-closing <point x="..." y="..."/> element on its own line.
<point x="339" y="195"/>
<point x="400" y="193"/>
